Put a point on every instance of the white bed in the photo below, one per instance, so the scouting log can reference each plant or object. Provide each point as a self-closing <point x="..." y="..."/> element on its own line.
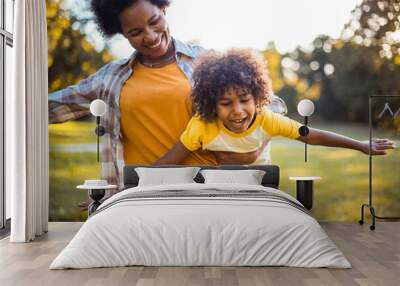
<point x="201" y="224"/>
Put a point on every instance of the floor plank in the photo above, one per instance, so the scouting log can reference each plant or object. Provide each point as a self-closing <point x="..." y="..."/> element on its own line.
<point x="374" y="255"/>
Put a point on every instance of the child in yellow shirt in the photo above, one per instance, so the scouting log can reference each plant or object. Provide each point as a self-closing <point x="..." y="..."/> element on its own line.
<point x="230" y="94"/>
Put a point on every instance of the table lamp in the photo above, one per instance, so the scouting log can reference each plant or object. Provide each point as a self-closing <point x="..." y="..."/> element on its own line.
<point x="305" y="108"/>
<point x="98" y="108"/>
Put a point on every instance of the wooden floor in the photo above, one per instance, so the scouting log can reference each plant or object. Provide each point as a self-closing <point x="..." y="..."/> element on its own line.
<point x="374" y="255"/>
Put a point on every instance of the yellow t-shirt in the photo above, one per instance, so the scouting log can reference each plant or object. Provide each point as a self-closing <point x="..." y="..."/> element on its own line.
<point x="155" y="108"/>
<point x="214" y="136"/>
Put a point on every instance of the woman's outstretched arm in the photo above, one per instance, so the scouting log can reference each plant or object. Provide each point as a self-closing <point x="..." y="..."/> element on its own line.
<point x="331" y="139"/>
<point x="73" y="101"/>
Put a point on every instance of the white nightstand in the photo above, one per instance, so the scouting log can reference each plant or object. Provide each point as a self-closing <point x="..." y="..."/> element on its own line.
<point x="304" y="190"/>
<point x="96" y="191"/>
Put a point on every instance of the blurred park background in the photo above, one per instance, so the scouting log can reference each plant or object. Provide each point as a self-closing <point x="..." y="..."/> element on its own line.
<point x="337" y="73"/>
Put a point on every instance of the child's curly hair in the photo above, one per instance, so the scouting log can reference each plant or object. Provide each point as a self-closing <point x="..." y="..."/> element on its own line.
<point x="216" y="72"/>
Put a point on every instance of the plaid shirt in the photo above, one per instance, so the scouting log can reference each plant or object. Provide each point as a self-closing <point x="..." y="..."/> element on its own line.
<point x="73" y="102"/>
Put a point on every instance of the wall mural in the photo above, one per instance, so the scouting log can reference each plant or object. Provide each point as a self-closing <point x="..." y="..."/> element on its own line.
<point x="236" y="106"/>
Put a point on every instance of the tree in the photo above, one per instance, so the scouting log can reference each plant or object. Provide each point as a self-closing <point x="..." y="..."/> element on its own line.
<point x="71" y="57"/>
<point x="376" y="23"/>
<point x="274" y="64"/>
<point x="339" y="76"/>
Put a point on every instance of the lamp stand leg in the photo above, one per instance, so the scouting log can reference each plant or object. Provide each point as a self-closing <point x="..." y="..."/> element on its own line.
<point x="98" y="151"/>
<point x="373" y="216"/>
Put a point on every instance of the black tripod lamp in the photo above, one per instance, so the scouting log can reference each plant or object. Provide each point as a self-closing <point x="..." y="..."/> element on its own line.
<point x="98" y="108"/>
<point x="305" y="108"/>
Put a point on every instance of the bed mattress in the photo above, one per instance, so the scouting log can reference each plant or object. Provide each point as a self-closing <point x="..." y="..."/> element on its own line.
<point x="201" y="225"/>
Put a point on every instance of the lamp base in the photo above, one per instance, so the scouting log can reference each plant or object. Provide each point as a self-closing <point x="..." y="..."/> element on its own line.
<point x="96" y="195"/>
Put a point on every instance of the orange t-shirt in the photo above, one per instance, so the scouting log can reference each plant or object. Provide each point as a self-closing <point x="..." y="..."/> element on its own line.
<point x="155" y="108"/>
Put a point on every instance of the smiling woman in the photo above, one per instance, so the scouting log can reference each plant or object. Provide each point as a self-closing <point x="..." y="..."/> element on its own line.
<point x="142" y="23"/>
<point x="139" y="127"/>
<point x="148" y="94"/>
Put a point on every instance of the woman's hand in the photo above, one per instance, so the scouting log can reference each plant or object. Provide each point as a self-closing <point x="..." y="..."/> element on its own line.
<point x="173" y="156"/>
<point x="231" y="158"/>
<point x="83" y="206"/>
<point x="378" y="146"/>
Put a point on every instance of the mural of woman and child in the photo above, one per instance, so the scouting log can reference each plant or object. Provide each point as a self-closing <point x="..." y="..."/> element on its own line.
<point x="171" y="102"/>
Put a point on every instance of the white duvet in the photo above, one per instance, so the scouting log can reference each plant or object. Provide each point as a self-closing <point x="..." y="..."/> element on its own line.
<point x="190" y="230"/>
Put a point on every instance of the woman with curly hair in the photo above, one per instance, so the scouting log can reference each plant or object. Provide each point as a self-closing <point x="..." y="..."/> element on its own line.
<point x="230" y="93"/>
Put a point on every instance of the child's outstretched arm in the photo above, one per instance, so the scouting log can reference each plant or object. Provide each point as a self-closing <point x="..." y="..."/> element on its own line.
<point x="174" y="156"/>
<point x="331" y="139"/>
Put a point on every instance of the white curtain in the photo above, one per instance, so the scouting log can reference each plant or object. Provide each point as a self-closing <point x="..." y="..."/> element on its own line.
<point x="27" y="119"/>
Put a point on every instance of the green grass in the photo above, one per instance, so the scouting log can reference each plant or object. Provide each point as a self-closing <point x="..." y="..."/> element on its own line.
<point x="72" y="132"/>
<point x="69" y="169"/>
<point x="344" y="184"/>
<point x="337" y="197"/>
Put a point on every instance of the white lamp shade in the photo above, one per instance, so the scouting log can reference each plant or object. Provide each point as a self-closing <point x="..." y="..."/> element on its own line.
<point x="98" y="107"/>
<point x="305" y="107"/>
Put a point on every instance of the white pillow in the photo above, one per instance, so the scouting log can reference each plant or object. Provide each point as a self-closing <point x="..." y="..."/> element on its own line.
<point x="163" y="176"/>
<point x="248" y="177"/>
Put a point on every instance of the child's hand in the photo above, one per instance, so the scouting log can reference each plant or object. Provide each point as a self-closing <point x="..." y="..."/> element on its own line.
<point x="378" y="146"/>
